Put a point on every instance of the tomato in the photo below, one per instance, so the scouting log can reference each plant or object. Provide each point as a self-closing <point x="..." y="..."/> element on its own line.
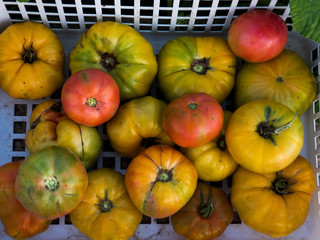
<point x="90" y="97"/>
<point x="286" y="79"/>
<point x="264" y="136"/>
<point x="51" y="182"/>
<point x="17" y="221"/>
<point x="193" y="119"/>
<point x="190" y="65"/>
<point x="49" y="126"/>
<point x="206" y="215"/>
<point x="213" y="160"/>
<point x="106" y="211"/>
<point x="258" y="35"/>
<point x="121" y="51"/>
<point x="31" y="61"/>
<point x="160" y="180"/>
<point x="276" y="203"/>
<point x="137" y="125"/>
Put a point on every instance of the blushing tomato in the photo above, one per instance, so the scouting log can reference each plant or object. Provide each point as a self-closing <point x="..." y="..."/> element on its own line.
<point x="213" y="160"/>
<point x="264" y="136"/>
<point x="51" y="182"/>
<point x="106" y="211"/>
<point x="276" y="203"/>
<point x="206" y="215"/>
<point x="17" y="221"/>
<point x="193" y="119"/>
<point x="160" y="180"/>
<point x="286" y="79"/>
<point x="257" y="35"/>
<point x="90" y="97"/>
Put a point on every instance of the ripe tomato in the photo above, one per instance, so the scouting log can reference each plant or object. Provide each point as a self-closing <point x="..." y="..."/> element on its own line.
<point x="193" y="119"/>
<point x="90" y="97"/>
<point x="106" y="211"/>
<point x="51" y="182"/>
<point x="17" y="221"/>
<point x="257" y="35"/>
<point x="206" y="215"/>
<point x="276" y="203"/>
<point x="264" y="136"/>
<point x="160" y="181"/>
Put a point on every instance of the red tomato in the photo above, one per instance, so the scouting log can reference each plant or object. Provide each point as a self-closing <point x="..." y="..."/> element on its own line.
<point x="193" y="119"/>
<point x="257" y="36"/>
<point x="90" y="97"/>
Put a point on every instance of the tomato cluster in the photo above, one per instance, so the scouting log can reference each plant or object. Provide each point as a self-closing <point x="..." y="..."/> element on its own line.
<point x="179" y="141"/>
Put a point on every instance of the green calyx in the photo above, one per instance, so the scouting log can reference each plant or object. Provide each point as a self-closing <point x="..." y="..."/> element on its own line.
<point x="105" y="205"/>
<point x="193" y="106"/>
<point x="200" y="66"/>
<point x="91" y="102"/>
<point x="283" y="185"/>
<point x="206" y="208"/>
<point x="164" y="175"/>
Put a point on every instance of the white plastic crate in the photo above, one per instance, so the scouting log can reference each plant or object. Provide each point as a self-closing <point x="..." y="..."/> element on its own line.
<point x="158" y="21"/>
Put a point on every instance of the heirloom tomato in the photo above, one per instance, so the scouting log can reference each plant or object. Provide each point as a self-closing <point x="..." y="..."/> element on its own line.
<point x="51" y="182"/>
<point x="106" y="211"/>
<point x="257" y="35"/>
<point x="160" y="181"/>
<point x="49" y="126"/>
<point x="213" y="160"/>
<point x="31" y="61"/>
<point x="206" y="215"/>
<point x="276" y="203"/>
<point x="286" y="79"/>
<point x="90" y="97"/>
<point x="121" y="51"/>
<point x="17" y="221"/>
<point x="264" y="136"/>
<point x="137" y="125"/>
<point x="190" y="65"/>
<point x="193" y="119"/>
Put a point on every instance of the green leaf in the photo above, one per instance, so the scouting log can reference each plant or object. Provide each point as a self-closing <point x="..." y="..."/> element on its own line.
<point x="21" y="1"/>
<point x="305" y="16"/>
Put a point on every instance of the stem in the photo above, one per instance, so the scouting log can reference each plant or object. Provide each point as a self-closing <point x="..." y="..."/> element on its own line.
<point x="193" y="105"/>
<point x="206" y="208"/>
<point x="91" y="102"/>
<point x="105" y="205"/>
<point x="108" y="60"/>
<point x="200" y="66"/>
<point x="51" y="183"/>
<point x="283" y="185"/>
<point x="164" y="175"/>
<point x="29" y="55"/>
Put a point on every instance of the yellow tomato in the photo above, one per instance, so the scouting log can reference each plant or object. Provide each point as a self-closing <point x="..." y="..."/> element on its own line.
<point x="31" y="61"/>
<point x="277" y="203"/>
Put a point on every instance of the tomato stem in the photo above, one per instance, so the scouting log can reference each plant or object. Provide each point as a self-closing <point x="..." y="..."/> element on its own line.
<point x="193" y="106"/>
<point x="200" y="66"/>
<point x="105" y="204"/>
<point x="206" y="208"/>
<point x="283" y="185"/>
<point x="108" y="60"/>
<point x="51" y="183"/>
<point x="91" y="102"/>
<point x="164" y="175"/>
<point x="29" y="55"/>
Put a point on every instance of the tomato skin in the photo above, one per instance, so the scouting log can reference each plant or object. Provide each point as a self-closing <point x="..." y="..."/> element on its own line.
<point x="136" y="122"/>
<point x="190" y="65"/>
<point x="193" y="119"/>
<point x="265" y="209"/>
<point x="17" y="221"/>
<point x="51" y="182"/>
<point x="251" y="145"/>
<point x="257" y="35"/>
<point x="90" y="97"/>
<point x="93" y="219"/>
<point x="189" y="222"/>
<point x="157" y="170"/>
<point x="30" y="77"/>
<point x="49" y="126"/>
<point x="121" y="51"/>
<point x="213" y="160"/>
<point x="286" y="79"/>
